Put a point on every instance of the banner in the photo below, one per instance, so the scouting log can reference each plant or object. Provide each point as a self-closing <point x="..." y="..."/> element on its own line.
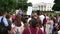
<point x="29" y="10"/>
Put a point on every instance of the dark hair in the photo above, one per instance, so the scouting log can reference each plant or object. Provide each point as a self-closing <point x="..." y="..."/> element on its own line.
<point x="2" y="12"/>
<point x="23" y="20"/>
<point x="17" y="20"/>
<point x="33" y="22"/>
<point x="7" y="16"/>
<point x="17" y="17"/>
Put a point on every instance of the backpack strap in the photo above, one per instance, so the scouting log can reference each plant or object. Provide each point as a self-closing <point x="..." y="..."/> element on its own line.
<point x="2" y="22"/>
<point x="2" y="19"/>
<point x="36" y="31"/>
<point x="29" y="30"/>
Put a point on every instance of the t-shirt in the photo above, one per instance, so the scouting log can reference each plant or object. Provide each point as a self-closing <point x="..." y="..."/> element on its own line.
<point x="4" y="20"/>
<point x="59" y="32"/>
<point x="33" y="31"/>
<point x="42" y="18"/>
<point x="18" y="30"/>
<point x="45" y="20"/>
<point x="13" y="17"/>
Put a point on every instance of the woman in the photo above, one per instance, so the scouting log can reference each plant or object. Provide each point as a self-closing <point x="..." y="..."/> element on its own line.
<point x="49" y="26"/>
<point x="18" y="25"/>
<point x="32" y="29"/>
<point x="55" y="28"/>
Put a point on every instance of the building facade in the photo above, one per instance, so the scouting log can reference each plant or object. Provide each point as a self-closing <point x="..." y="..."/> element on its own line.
<point x="43" y="6"/>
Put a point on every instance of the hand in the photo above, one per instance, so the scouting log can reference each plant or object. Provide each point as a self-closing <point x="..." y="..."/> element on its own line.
<point x="11" y="31"/>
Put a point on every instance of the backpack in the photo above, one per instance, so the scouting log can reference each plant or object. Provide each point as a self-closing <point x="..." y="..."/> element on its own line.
<point x="2" y="27"/>
<point x="31" y="32"/>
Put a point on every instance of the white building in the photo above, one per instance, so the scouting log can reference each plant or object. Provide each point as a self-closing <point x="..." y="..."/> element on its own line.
<point x="42" y="5"/>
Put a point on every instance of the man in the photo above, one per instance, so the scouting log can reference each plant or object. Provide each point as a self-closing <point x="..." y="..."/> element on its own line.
<point x="41" y="18"/>
<point x="5" y="22"/>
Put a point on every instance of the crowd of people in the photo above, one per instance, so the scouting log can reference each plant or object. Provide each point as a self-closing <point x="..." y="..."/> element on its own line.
<point x="35" y="23"/>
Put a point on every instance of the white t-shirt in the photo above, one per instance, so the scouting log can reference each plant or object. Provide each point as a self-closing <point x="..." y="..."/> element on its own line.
<point x="42" y="18"/>
<point x="47" y="17"/>
<point x="28" y="19"/>
<point x="18" y="29"/>
<point x="59" y="32"/>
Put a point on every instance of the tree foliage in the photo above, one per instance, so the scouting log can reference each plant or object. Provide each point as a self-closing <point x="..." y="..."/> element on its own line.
<point x="22" y="4"/>
<point x="56" y="6"/>
<point x="7" y="4"/>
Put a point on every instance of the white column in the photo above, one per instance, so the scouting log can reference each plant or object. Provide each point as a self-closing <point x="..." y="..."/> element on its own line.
<point x="49" y="7"/>
<point x="46" y="7"/>
<point x="43" y="7"/>
<point x="40" y="7"/>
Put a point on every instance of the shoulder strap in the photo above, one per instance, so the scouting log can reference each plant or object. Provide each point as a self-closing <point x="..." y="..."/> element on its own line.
<point x="29" y="30"/>
<point x="2" y="21"/>
<point x="36" y="31"/>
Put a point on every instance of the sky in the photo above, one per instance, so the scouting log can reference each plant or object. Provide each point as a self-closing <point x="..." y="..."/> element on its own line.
<point x="39" y="1"/>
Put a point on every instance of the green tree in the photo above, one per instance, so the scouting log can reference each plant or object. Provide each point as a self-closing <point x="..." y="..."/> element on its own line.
<point x="7" y="5"/>
<point x="56" y="6"/>
<point x="22" y="4"/>
<point x="29" y="4"/>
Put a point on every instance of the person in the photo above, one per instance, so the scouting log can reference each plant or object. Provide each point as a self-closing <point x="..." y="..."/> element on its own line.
<point x="19" y="12"/>
<point x="59" y="27"/>
<point x="45" y="21"/>
<point x="42" y="18"/>
<point x="8" y="16"/>
<point x="24" y="20"/>
<point x="51" y="25"/>
<point x="12" y="17"/>
<point x="58" y="18"/>
<point x="4" y="21"/>
<point x="32" y="29"/>
<point x="47" y="26"/>
<point x="55" y="28"/>
<point x="9" y="22"/>
<point x="59" y="31"/>
<point x="30" y="17"/>
<point x="18" y="25"/>
<point x="39" y="24"/>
